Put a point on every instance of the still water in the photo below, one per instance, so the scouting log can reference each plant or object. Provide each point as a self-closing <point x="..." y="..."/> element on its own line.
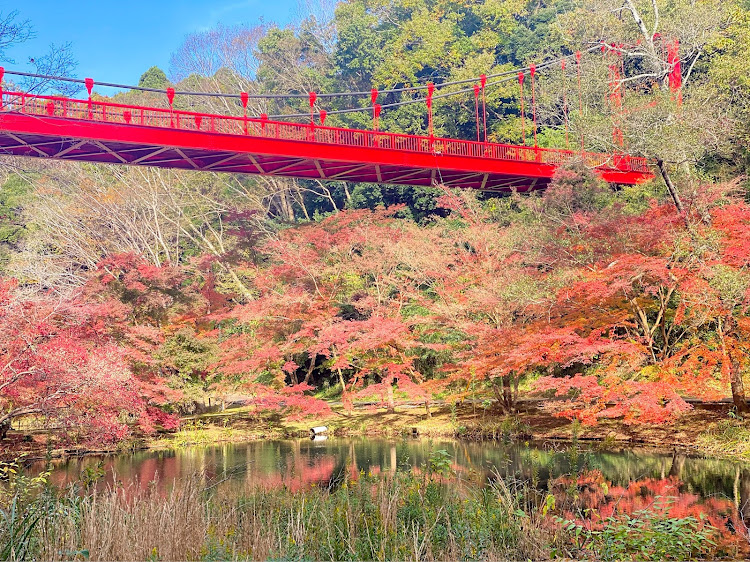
<point x="301" y="463"/>
<point x="590" y="486"/>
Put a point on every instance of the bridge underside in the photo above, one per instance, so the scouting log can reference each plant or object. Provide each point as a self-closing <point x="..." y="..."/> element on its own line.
<point x="114" y="143"/>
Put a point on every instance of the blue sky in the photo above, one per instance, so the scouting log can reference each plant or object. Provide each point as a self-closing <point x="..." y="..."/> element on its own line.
<point x="116" y="41"/>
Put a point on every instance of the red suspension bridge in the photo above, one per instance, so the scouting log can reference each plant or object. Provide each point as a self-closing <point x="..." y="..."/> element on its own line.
<point x="104" y="132"/>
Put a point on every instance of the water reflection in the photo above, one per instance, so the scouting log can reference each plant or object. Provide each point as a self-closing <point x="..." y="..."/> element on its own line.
<point x="626" y="478"/>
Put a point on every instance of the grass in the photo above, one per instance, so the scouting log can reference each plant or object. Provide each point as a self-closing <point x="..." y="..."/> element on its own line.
<point x="729" y="437"/>
<point x="403" y="517"/>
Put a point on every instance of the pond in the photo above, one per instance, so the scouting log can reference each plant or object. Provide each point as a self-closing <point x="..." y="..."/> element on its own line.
<point x="588" y="485"/>
<point x="505" y="499"/>
<point x="301" y="463"/>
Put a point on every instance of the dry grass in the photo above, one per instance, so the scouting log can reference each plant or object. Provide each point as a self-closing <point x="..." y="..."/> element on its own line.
<point x="392" y="518"/>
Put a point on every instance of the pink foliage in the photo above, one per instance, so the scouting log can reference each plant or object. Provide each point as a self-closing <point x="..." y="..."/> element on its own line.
<point x="59" y="363"/>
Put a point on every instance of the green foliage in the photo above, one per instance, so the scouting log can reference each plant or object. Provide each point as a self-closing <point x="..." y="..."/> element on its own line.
<point x="154" y="77"/>
<point x="23" y="506"/>
<point x="15" y="194"/>
<point x="91" y="474"/>
<point x="441" y="462"/>
<point x="646" y="535"/>
<point x="731" y="284"/>
<point x="188" y="355"/>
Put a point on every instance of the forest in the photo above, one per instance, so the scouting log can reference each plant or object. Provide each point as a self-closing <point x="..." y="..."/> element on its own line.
<point x="135" y="300"/>
<point x="135" y="294"/>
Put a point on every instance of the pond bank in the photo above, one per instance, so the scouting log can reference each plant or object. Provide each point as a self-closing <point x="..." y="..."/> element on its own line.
<point x="706" y="432"/>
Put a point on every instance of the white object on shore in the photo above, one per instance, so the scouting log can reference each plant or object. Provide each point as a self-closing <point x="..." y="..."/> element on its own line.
<point x="318" y="430"/>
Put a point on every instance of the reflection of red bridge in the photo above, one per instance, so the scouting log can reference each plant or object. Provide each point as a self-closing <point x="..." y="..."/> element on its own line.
<point x="96" y="131"/>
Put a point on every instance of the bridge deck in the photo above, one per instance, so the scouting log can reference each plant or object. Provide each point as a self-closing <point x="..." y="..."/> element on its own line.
<point x="95" y="131"/>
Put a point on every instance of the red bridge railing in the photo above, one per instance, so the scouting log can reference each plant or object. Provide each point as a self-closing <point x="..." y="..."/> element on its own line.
<point x="108" y="112"/>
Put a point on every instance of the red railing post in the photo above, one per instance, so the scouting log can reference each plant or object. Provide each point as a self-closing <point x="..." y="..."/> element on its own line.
<point x="430" y="91"/>
<point x="244" y="97"/>
<point x="476" y="109"/>
<point x="2" y="73"/>
<point x="170" y="99"/>
<point x="376" y="109"/>
<point x="89" y="87"/>
<point x="483" y="83"/>
<point x="375" y="112"/>
<point x="523" y="116"/>
<point x="532" y="71"/>
<point x="313" y="97"/>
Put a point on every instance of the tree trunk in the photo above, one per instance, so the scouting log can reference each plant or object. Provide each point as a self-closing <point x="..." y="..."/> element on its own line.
<point x="499" y="394"/>
<point x="670" y="186"/>
<point x="736" y="383"/>
<point x="738" y="386"/>
<point x="504" y="394"/>
<point x="344" y="395"/>
<point x="241" y="287"/>
<point x="287" y="210"/>
<point x="508" y="394"/>
<point x="311" y="368"/>
<point x="391" y="400"/>
<point x="4" y="427"/>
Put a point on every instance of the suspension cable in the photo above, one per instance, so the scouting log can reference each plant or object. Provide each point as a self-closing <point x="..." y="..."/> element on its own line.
<point x="523" y="111"/>
<point x="414" y="88"/>
<point x="483" y="82"/>
<point x="502" y="78"/>
<point x="476" y="108"/>
<point x="580" y="96"/>
<point x="565" y="104"/>
<point x="533" y="101"/>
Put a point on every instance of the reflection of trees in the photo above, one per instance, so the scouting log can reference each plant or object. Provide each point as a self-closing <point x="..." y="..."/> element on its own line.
<point x="678" y="463"/>
<point x="591" y="500"/>
<point x="742" y="493"/>
<point x="299" y="464"/>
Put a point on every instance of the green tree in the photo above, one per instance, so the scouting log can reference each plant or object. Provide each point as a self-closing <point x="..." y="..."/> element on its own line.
<point x="154" y="77"/>
<point x="15" y="192"/>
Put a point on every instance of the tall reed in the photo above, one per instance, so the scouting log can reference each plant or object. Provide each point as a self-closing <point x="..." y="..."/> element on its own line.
<point x="394" y="517"/>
